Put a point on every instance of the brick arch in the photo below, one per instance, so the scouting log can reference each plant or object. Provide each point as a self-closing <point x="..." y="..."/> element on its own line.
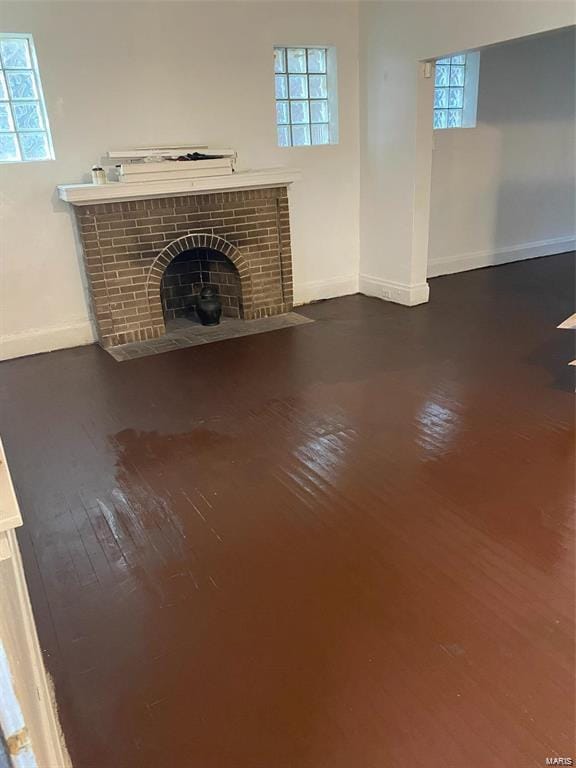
<point x="188" y="243"/>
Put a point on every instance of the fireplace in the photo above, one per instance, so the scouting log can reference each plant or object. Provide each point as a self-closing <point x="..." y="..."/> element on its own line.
<point x="147" y="258"/>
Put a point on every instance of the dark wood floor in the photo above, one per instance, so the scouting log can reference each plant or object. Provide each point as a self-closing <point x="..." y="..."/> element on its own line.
<point x="341" y="545"/>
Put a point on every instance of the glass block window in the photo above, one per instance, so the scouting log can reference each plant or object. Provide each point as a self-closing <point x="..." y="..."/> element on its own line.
<point x="302" y="98"/>
<point x="449" y="88"/>
<point x="24" y="131"/>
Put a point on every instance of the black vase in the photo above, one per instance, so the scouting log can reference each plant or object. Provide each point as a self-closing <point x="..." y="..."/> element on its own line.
<point x="208" y="307"/>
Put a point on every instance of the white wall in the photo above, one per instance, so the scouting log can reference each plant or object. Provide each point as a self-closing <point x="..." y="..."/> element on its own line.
<point x="129" y="73"/>
<point x="395" y="121"/>
<point x="505" y="190"/>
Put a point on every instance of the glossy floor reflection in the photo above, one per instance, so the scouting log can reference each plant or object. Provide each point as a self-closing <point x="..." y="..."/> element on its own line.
<point x="347" y="544"/>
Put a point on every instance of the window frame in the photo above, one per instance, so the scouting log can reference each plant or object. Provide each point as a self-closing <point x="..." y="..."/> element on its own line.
<point x="331" y="95"/>
<point x="40" y="100"/>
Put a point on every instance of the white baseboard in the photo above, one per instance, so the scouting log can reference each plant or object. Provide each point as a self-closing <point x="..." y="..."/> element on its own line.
<point x="35" y="340"/>
<point x="399" y="293"/>
<point x="479" y="259"/>
<point x="325" y="289"/>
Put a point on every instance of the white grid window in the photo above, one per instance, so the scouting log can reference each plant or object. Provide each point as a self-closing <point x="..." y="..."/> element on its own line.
<point x="24" y="131"/>
<point x="303" y="108"/>
<point x="449" y="92"/>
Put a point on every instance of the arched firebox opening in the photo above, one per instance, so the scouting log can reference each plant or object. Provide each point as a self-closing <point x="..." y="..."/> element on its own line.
<point x="213" y="261"/>
<point x="192" y="270"/>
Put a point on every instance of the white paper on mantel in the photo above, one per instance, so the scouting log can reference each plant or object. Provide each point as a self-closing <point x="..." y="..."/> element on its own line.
<point x="171" y="150"/>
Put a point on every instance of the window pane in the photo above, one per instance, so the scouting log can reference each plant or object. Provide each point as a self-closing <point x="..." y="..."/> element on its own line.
<point x="299" y="112"/>
<point x="440" y="118"/>
<point x="456" y="99"/>
<point x="279" y="60"/>
<point x="301" y="88"/>
<point x="34" y="146"/>
<point x="316" y="60"/>
<point x="281" y="87"/>
<point x="320" y="134"/>
<point x="457" y="76"/>
<point x="23" y="127"/>
<point x="451" y="96"/>
<point x="282" y="115"/>
<point x="8" y="147"/>
<point x="454" y="118"/>
<point x="301" y="135"/>
<point x="318" y="87"/>
<point x="319" y="111"/>
<point x="442" y="75"/>
<point x="21" y="85"/>
<point x="15" y="53"/>
<point x="5" y="118"/>
<point x="296" y="60"/>
<point x="298" y="86"/>
<point x="440" y="98"/>
<point x="28" y="116"/>
<point x="283" y="136"/>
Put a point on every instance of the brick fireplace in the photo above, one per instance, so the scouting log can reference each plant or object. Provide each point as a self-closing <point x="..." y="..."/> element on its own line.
<point x="146" y="258"/>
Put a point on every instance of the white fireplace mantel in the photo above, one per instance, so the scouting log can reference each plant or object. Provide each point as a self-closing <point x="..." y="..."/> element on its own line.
<point x="116" y="191"/>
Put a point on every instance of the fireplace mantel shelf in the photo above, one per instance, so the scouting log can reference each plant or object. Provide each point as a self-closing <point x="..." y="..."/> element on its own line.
<point x="115" y="191"/>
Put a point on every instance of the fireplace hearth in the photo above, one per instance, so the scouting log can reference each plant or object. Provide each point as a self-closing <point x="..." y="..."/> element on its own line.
<point x="182" y="333"/>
